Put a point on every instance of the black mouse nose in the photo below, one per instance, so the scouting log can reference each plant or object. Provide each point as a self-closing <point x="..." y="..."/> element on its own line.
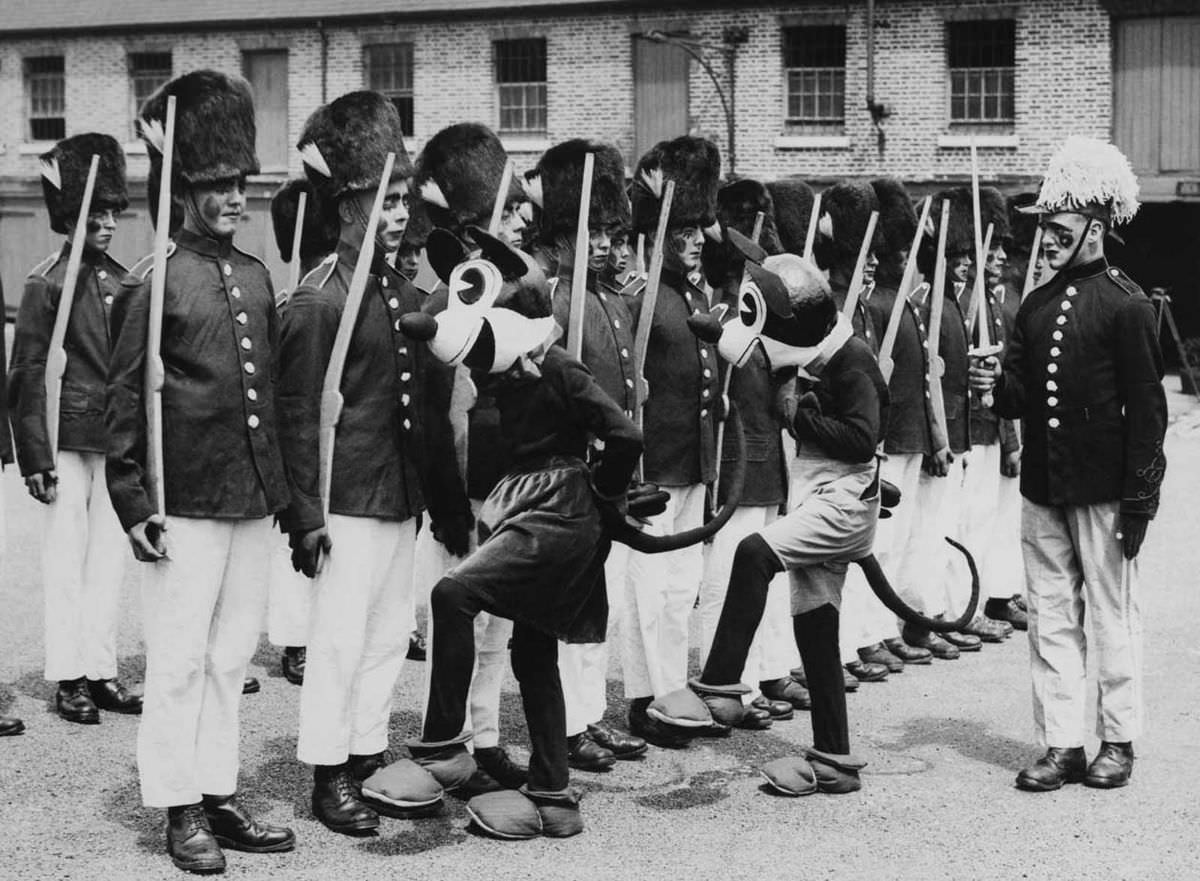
<point x="418" y="326"/>
<point x="706" y="327"/>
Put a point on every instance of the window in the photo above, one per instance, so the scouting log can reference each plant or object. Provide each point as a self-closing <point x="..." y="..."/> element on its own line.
<point x="147" y="71"/>
<point x="45" y="96"/>
<point x="389" y="70"/>
<point x="814" y="70"/>
<point x="521" y="85"/>
<point x="982" y="61"/>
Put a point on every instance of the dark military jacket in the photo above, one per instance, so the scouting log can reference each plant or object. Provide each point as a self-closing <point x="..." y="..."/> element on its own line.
<point x="860" y="321"/>
<point x="1084" y="372"/>
<point x="6" y="445"/>
<point x="952" y="349"/>
<point x="88" y="344"/>
<point x="911" y="414"/>
<point x="987" y="427"/>
<point x="607" y="337"/>
<point x="679" y="419"/>
<point x="394" y="453"/>
<point x="221" y="456"/>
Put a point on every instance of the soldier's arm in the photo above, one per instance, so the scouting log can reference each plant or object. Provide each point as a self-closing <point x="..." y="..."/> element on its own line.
<point x="27" y="376"/>
<point x="124" y="412"/>
<point x="1009" y="393"/>
<point x="1139" y="375"/>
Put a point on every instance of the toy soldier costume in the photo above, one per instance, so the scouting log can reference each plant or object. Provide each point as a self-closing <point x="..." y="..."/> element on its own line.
<point x="81" y="569"/>
<point x="289" y="598"/>
<point x="1083" y="372"/>
<point x="206" y="576"/>
<point x="607" y="352"/>
<point x="392" y="458"/>
<point x="679" y="420"/>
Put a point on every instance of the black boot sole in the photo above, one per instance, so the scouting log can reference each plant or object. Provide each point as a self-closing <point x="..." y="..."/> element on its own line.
<point x="233" y="844"/>
<point x="629" y="754"/>
<point x="80" y="720"/>
<point x="360" y="827"/>
<point x="213" y="868"/>
<point x="1104" y="783"/>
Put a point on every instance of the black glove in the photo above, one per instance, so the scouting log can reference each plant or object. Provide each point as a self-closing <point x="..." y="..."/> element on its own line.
<point x="454" y="532"/>
<point x="1131" y="530"/>
<point x="646" y="500"/>
<point x="308" y="550"/>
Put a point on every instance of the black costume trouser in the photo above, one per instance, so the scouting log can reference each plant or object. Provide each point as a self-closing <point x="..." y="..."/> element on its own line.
<point x="453" y="607"/>
<point x="816" y="632"/>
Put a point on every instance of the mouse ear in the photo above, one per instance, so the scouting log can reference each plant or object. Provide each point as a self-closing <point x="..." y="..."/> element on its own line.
<point x="507" y="259"/>
<point x="445" y="251"/>
<point x="749" y="249"/>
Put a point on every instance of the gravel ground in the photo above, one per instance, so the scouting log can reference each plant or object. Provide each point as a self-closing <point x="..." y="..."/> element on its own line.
<point x="943" y="744"/>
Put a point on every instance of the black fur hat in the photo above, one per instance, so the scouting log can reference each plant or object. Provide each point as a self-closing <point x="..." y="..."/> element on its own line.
<point x="994" y="210"/>
<point x="845" y="213"/>
<point x="345" y="143"/>
<point x="793" y="206"/>
<point x="457" y="175"/>
<point x="897" y="218"/>
<point x="64" y="175"/>
<point x="558" y="178"/>
<point x="695" y="166"/>
<point x="319" y="235"/>
<point x="1022" y="225"/>
<point x="214" y="127"/>
<point x="153" y="177"/>
<point x="960" y="235"/>
<point x="738" y="204"/>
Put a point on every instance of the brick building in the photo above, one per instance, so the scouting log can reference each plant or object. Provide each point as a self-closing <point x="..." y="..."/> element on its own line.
<point x="808" y="91"/>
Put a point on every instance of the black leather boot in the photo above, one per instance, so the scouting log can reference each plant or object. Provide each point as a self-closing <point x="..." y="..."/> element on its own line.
<point x="1058" y="766"/>
<point x="190" y="841"/>
<point x="497" y="764"/>
<point x="336" y="802"/>
<point x="620" y="744"/>
<point x="109" y="694"/>
<point x="235" y="829"/>
<point x="74" y="703"/>
<point x="292" y="662"/>
<point x="584" y="754"/>
<point x="1112" y="767"/>
<point x="10" y="726"/>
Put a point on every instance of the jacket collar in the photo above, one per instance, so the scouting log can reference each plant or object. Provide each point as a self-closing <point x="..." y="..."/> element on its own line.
<point x="348" y="254"/>
<point x="206" y="246"/>
<point x="1084" y="270"/>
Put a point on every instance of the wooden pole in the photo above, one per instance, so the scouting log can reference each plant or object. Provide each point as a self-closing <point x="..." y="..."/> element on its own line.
<point x="579" y="271"/>
<point x="856" y="280"/>
<point x="886" y="364"/>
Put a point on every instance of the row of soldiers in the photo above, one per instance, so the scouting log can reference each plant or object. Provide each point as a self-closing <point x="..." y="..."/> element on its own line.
<point x="380" y="515"/>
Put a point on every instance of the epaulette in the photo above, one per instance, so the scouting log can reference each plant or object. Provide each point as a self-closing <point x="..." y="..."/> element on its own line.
<point x="141" y="270"/>
<point x="254" y="257"/>
<point x="45" y="265"/>
<point x="321" y="273"/>
<point x="1123" y="281"/>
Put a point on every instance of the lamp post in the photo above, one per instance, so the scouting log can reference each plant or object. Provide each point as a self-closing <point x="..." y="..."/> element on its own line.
<point x="733" y="37"/>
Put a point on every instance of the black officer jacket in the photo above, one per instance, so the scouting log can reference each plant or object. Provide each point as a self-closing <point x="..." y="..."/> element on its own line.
<point x="6" y="446"/>
<point x="221" y="456"/>
<point x="681" y="370"/>
<point x="1084" y="374"/>
<point x="911" y="414"/>
<point x="394" y="454"/>
<point x="88" y="344"/>
<point x="952" y="349"/>
<point x="607" y="337"/>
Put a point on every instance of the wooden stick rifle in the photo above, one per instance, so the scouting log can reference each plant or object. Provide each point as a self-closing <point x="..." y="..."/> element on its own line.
<point x="297" y="235"/>
<point x="886" y="364"/>
<point x="641" y="340"/>
<point x="860" y="268"/>
<point x="937" y="304"/>
<point x="579" y="271"/>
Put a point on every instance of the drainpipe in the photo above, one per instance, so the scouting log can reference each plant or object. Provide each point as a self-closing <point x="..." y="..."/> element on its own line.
<point x="324" y="60"/>
<point x="879" y="112"/>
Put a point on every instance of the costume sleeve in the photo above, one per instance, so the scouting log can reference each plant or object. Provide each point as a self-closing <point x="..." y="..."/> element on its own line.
<point x="1139" y="378"/>
<point x="851" y="431"/>
<point x="1009" y="394"/>
<point x="124" y="412"/>
<point x="599" y="414"/>
<point x="27" y="376"/>
<point x="444" y="487"/>
<point x="306" y="337"/>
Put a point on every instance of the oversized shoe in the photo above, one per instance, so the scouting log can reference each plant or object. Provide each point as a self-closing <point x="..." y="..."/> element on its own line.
<point x="414" y="787"/>
<point x="817" y="772"/>
<point x="515" y="815"/>
<point x="721" y="704"/>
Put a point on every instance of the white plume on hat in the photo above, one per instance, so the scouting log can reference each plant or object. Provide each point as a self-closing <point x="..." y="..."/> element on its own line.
<point x="1086" y="171"/>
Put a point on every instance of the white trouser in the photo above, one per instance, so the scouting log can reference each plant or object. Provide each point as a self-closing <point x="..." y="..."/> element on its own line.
<point x="202" y="614"/>
<point x="289" y="601"/>
<point x="432" y="561"/>
<point x="583" y="667"/>
<point x="1009" y="579"/>
<point x="83" y="566"/>
<point x="357" y="638"/>
<point x="660" y="592"/>
<point x="984" y="532"/>
<point x="1075" y="568"/>
<point x="773" y="652"/>
<point x="920" y="574"/>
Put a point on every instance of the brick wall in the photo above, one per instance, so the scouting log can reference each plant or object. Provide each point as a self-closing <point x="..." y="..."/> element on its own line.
<point x="1063" y="82"/>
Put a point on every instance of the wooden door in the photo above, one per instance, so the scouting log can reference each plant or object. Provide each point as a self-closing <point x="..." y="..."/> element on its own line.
<point x="660" y="91"/>
<point x="267" y="72"/>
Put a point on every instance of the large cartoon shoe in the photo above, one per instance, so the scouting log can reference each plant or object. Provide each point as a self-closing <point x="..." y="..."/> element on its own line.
<point x="792" y="776"/>
<point x="403" y="789"/>
<point x="725" y="704"/>
<point x="683" y="709"/>
<point x="447" y="761"/>
<point x="836" y="774"/>
<point x="516" y="815"/>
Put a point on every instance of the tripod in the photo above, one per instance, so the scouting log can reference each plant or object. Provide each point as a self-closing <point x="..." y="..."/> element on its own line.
<point x="1162" y="306"/>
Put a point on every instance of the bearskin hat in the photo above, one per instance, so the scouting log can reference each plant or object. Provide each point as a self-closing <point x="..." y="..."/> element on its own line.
<point x="960" y="235"/>
<point x="845" y="214"/>
<point x="695" y="166"/>
<point x="64" y="175"/>
<point x="738" y="205"/>
<point x="793" y="206"/>
<point x="897" y="218"/>
<point x="153" y="178"/>
<point x="456" y="178"/>
<point x="345" y="143"/>
<point x="994" y="210"/>
<point x="558" y="178"/>
<point x="1022" y="225"/>
<point x="214" y="127"/>
<point x="318" y="236"/>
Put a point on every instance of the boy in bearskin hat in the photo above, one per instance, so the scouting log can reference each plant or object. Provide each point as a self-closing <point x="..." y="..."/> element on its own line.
<point x="206" y="578"/>
<point x="593" y="744"/>
<point x="755" y="389"/>
<point x="679" y="419"/>
<point x="81" y="573"/>
<point x="455" y="180"/>
<point x="845" y="212"/>
<point x="392" y="458"/>
<point x="1083" y="371"/>
<point x="9" y="725"/>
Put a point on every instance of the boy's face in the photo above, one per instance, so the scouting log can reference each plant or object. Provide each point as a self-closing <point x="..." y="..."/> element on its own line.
<point x="101" y="224"/>
<point x="618" y="254"/>
<point x="599" y="246"/>
<point x="512" y="225"/>
<point x="959" y="268"/>
<point x="994" y="268"/>
<point x="219" y="206"/>
<point x="684" y="247"/>
<point x="394" y="218"/>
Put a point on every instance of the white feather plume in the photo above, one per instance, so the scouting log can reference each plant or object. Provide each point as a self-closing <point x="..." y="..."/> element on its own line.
<point x="310" y="155"/>
<point x="1087" y="171"/>
<point x="153" y="134"/>
<point x="825" y="225"/>
<point x="713" y="231"/>
<point x="432" y="193"/>
<point x="525" y="209"/>
<point x="652" y="180"/>
<point x="532" y="186"/>
<point x="51" y="172"/>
